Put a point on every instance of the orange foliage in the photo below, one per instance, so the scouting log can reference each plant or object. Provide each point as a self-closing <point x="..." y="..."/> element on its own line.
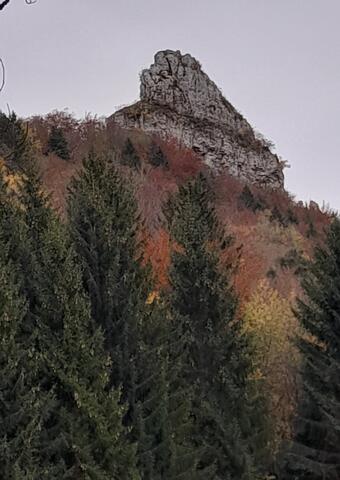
<point x="264" y="242"/>
<point x="56" y="175"/>
<point x="250" y="271"/>
<point x="183" y="162"/>
<point x="158" y="251"/>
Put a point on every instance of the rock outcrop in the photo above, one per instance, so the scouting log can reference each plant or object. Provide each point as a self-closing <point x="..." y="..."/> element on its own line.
<point x="178" y="100"/>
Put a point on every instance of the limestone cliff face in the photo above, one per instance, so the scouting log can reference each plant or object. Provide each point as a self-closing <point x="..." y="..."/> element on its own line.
<point x="178" y="100"/>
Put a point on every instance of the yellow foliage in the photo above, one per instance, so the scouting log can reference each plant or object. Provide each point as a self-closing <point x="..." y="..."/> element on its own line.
<point x="269" y="315"/>
<point x="152" y="297"/>
<point x="12" y="180"/>
<point x="32" y="141"/>
<point x="273" y="232"/>
<point x="270" y="323"/>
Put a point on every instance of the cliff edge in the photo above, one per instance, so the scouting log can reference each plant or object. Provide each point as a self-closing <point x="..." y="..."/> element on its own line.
<point x="178" y="100"/>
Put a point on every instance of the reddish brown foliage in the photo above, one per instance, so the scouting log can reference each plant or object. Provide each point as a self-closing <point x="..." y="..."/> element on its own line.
<point x="183" y="162"/>
<point x="158" y="251"/>
<point x="251" y="269"/>
<point x="56" y="175"/>
<point x="261" y="251"/>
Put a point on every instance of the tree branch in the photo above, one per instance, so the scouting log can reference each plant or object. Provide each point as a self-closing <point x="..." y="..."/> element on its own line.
<point x="6" y="2"/>
<point x="3" y="4"/>
<point x="2" y="74"/>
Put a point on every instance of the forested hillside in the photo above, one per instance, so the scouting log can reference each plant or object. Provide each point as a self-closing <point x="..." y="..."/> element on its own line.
<point x="159" y="321"/>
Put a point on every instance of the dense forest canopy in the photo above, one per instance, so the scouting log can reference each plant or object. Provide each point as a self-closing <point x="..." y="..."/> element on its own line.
<point x="149" y="327"/>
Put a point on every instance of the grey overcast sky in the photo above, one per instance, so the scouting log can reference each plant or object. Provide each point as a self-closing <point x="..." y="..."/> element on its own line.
<point x="276" y="61"/>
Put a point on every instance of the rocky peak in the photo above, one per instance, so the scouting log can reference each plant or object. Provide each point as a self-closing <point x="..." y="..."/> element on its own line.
<point x="179" y="100"/>
<point x="178" y="82"/>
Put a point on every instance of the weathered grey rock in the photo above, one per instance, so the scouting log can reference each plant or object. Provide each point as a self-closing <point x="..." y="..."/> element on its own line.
<point x="178" y="100"/>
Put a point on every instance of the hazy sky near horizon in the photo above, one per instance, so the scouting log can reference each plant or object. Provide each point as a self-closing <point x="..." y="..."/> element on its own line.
<point x="276" y="61"/>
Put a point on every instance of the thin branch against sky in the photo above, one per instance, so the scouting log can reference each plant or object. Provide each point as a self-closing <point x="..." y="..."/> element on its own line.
<point x="6" y="2"/>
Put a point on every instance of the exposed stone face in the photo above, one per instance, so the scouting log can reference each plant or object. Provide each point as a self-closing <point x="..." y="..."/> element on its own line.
<point x="178" y="100"/>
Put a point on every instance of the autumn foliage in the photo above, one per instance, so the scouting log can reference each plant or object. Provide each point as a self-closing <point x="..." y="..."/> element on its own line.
<point x="269" y="320"/>
<point x="264" y="238"/>
<point x="271" y="234"/>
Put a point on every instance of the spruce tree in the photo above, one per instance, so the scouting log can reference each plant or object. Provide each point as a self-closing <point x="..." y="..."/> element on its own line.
<point x="157" y="157"/>
<point x="104" y="224"/>
<point x="186" y="454"/>
<point x="20" y="401"/>
<point x="315" y="451"/>
<point x="277" y="216"/>
<point x="129" y="156"/>
<point x="214" y="353"/>
<point x="81" y="433"/>
<point x="57" y="143"/>
<point x="15" y="145"/>
<point x="250" y="201"/>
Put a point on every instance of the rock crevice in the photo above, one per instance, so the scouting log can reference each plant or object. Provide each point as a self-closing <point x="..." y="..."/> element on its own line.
<point x="178" y="100"/>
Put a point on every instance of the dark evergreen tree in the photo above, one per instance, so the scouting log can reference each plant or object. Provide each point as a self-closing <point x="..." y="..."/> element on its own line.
<point x="129" y="156"/>
<point x="277" y="216"/>
<point x="103" y="219"/>
<point x="214" y="353"/>
<point x="291" y="217"/>
<point x="80" y="430"/>
<point x="315" y="452"/>
<point x="311" y="232"/>
<point x="157" y="157"/>
<point x="57" y="143"/>
<point x="186" y="454"/>
<point x="250" y="201"/>
<point x="21" y="404"/>
<point x="15" y="145"/>
<point x="104" y="224"/>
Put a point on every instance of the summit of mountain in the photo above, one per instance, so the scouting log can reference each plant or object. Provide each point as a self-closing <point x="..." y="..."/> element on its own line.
<point x="179" y="101"/>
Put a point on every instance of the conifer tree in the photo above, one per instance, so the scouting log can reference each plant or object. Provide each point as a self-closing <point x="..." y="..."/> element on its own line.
<point x="104" y="224"/>
<point x="277" y="216"/>
<point x="20" y="402"/>
<point x="81" y="433"/>
<point x="250" y="201"/>
<point x="214" y="354"/>
<point x="57" y="143"/>
<point x="130" y="156"/>
<point x="185" y="453"/>
<point x="14" y="143"/>
<point x="157" y="157"/>
<point x="315" y="451"/>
